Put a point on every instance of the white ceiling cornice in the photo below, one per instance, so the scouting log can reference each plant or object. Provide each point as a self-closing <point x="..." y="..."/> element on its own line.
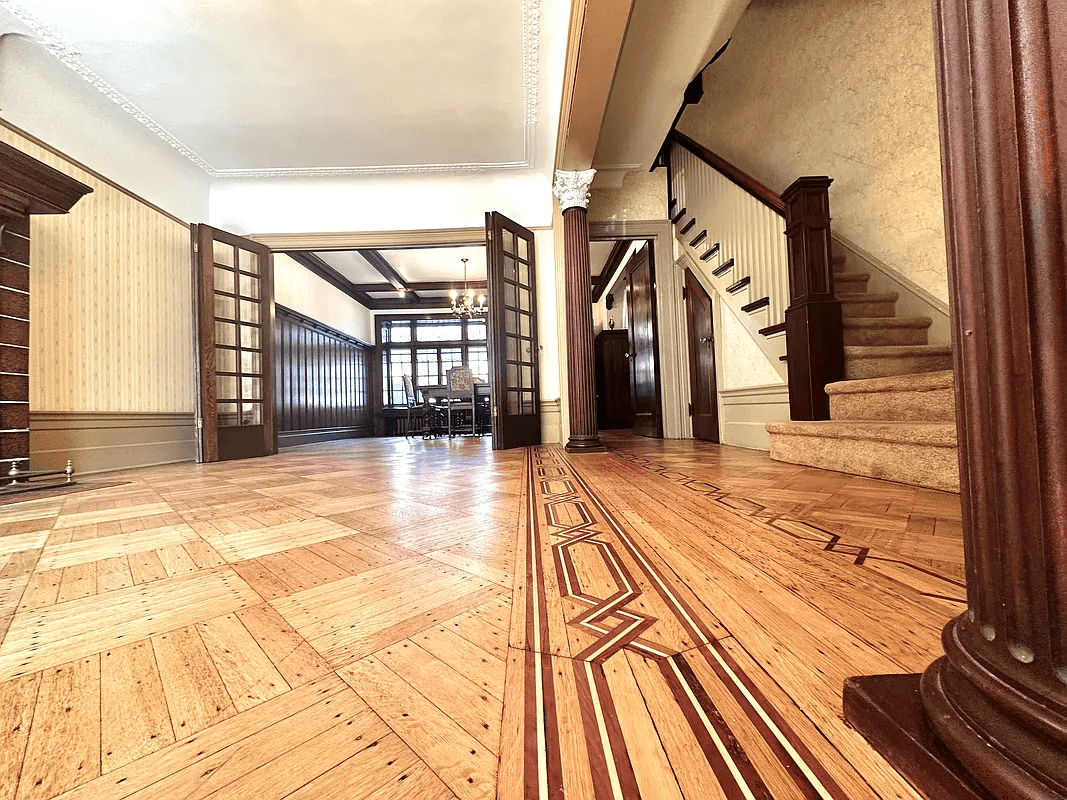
<point x="531" y="48"/>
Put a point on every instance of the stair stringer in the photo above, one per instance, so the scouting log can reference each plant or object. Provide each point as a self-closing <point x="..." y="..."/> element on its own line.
<point x="772" y="347"/>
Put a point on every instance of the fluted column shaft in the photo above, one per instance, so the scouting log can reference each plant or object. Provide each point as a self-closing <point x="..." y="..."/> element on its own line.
<point x="998" y="698"/>
<point x="572" y="189"/>
<point x="581" y="378"/>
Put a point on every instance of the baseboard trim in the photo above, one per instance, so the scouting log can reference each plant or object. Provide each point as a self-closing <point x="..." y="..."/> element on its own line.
<point x="288" y="439"/>
<point x="106" y="441"/>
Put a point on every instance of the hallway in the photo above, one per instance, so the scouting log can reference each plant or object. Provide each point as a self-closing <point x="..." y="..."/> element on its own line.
<point x="390" y="618"/>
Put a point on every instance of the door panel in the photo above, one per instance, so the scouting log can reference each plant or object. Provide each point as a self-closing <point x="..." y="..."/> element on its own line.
<point x="702" y="389"/>
<point x="512" y="333"/>
<point x="235" y="310"/>
<point x="644" y="366"/>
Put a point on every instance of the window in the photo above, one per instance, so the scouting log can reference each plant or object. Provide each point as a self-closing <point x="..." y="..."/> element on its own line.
<point x="426" y="348"/>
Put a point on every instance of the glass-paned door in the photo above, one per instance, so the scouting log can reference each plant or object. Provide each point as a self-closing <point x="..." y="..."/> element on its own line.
<point x="512" y="333"/>
<point x="235" y="309"/>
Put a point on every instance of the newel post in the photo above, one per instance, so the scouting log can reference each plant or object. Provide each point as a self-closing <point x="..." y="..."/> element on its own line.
<point x="813" y="336"/>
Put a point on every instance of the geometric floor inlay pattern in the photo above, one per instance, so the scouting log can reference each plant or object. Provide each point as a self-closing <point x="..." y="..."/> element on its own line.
<point x="393" y="618"/>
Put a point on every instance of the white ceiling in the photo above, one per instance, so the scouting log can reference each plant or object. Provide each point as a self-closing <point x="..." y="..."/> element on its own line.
<point x="598" y="256"/>
<point x="308" y="87"/>
<point x="414" y="265"/>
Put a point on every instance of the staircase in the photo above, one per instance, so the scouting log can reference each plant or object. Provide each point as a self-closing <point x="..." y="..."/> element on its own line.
<point x="893" y="417"/>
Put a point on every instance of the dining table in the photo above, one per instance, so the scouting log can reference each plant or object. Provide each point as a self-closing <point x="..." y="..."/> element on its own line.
<point x="436" y="397"/>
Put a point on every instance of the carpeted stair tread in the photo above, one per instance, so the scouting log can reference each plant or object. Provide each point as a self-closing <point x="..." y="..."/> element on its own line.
<point x="868" y="297"/>
<point x="887" y="322"/>
<point x="898" y="351"/>
<point x="919" y="382"/>
<point x="931" y="434"/>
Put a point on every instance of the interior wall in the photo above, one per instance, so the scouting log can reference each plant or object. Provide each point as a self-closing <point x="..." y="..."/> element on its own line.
<point x="45" y="98"/>
<point x="845" y="89"/>
<point x="111" y="315"/>
<point x="298" y="288"/>
<point x="637" y="195"/>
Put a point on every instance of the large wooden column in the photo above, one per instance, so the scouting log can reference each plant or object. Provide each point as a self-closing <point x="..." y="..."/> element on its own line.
<point x="814" y="334"/>
<point x="572" y="189"/>
<point x="27" y="187"/>
<point x="997" y="699"/>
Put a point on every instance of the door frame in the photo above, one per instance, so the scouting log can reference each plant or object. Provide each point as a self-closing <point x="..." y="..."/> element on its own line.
<point x="672" y="356"/>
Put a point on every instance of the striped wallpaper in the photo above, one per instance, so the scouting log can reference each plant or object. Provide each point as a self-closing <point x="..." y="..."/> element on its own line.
<point x="110" y="302"/>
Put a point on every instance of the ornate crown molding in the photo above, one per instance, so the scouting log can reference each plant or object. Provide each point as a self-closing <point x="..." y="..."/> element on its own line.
<point x="572" y="188"/>
<point x="66" y="53"/>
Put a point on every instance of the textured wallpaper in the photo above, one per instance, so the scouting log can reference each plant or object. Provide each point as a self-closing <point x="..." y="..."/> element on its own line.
<point x="743" y="363"/>
<point x="844" y="88"/>
<point x="111" y="306"/>
<point x="642" y="196"/>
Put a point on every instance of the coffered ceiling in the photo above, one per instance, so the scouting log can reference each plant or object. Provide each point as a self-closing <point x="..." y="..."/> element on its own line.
<point x="308" y="87"/>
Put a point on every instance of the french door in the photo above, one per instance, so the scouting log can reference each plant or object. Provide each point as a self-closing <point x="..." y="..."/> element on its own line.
<point x="235" y="314"/>
<point x="512" y="333"/>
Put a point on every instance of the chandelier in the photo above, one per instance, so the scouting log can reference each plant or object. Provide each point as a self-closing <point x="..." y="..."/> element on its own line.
<point x="463" y="304"/>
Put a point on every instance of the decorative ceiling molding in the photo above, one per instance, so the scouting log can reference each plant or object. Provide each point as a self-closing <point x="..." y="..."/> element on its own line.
<point x="531" y="67"/>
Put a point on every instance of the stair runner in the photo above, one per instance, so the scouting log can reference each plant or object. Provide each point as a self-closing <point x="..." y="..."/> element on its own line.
<point x="894" y="416"/>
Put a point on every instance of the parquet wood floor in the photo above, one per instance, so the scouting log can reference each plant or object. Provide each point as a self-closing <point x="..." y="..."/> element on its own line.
<point x="408" y="619"/>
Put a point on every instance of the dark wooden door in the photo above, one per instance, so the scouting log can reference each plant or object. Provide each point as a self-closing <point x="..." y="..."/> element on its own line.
<point x="611" y="355"/>
<point x="644" y="363"/>
<point x="703" y="392"/>
<point x="235" y="311"/>
<point x="512" y="333"/>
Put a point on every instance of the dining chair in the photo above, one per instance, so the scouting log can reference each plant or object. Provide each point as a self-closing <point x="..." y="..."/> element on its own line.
<point x="415" y="411"/>
<point x="460" y="384"/>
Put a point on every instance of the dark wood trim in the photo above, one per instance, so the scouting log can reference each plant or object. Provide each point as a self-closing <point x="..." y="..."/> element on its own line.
<point x="712" y="251"/>
<point x="678" y="216"/>
<point x="79" y="165"/>
<point x="385" y="269"/>
<point x="618" y="253"/>
<point x="688" y="226"/>
<point x="29" y="186"/>
<point x="696" y="240"/>
<point x="771" y="330"/>
<point x="814" y="333"/>
<point x="317" y="266"/>
<point x="734" y="288"/>
<point x="419" y="286"/>
<point x="723" y="268"/>
<point x="299" y="438"/>
<point x="756" y="305"/>
<point x="764" y="194"/>
<point x="322" y="326"/>
<point x="701" y="351"/>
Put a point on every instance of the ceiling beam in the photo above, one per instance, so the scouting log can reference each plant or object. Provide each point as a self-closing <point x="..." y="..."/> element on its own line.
<point x="618" y="253"/>
<point x="319" y="267"/>
<point x="597" y="31"/>
<point x="403" y="303"/>
<point x="385" y="269"/>
<point x="419" y="286"/>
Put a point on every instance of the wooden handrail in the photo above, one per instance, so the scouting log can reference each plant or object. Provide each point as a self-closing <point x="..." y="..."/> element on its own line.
<point x="764" y="194"/>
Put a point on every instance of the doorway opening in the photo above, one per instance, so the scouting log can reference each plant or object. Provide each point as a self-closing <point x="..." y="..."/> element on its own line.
<point x="626" y="336"/>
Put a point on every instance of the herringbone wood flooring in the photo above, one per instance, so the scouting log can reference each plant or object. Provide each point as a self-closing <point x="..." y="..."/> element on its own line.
<point x="409" y="619"/>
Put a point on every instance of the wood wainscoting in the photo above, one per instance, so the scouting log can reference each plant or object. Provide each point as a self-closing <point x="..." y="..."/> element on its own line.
<point x="100" y="441"/>
<point x="322" y="380"/>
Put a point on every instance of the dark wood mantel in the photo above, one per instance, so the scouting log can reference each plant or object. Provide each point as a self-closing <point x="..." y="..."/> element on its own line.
<point x="27" y="187"/>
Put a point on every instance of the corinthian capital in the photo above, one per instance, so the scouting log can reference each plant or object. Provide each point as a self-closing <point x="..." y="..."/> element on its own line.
<point x="572" y="188"/>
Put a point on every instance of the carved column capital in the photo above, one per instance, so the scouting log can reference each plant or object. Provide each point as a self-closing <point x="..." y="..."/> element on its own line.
<point x="572" y="188"/>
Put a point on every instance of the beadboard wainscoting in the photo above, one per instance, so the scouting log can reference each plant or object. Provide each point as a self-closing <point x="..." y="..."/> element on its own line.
<point x="102" y="441"/>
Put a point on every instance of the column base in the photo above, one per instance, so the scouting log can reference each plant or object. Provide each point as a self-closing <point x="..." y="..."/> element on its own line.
<point x="585" y="444"/>
<point x="887" y="710"/>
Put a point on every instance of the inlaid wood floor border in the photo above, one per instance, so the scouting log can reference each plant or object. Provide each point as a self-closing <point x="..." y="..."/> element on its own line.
<point x="803" y="530"/>
<point x="553" y="482"/>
